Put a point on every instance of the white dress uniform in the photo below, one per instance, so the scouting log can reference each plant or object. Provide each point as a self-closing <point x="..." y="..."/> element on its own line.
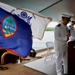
<point x="60" y="34"/>
<point x="72" y="31"/>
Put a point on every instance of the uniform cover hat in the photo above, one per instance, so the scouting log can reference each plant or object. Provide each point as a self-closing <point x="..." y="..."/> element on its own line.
<point x="66" y="16"/>
<point x="73" y="18"/>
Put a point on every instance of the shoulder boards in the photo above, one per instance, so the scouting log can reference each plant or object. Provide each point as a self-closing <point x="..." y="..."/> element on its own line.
<point x="70" y="26"/>
<point x="59" y="25"/>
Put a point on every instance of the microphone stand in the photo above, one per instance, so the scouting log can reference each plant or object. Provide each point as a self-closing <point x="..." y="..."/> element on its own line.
<point x="2" y="60"/>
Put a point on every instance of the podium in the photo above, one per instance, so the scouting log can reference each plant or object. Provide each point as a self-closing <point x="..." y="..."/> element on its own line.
<point x="71" y="57"/>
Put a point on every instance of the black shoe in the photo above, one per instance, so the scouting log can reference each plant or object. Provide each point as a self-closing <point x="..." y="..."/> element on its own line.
<point x="3" y="68"/>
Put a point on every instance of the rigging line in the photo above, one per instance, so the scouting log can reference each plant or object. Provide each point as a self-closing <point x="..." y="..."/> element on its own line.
<point x="50" y="6"/>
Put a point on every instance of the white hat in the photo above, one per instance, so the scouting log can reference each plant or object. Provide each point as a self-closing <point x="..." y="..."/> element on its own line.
<point x="73" y="18"/>
<point x="66" y="16"/>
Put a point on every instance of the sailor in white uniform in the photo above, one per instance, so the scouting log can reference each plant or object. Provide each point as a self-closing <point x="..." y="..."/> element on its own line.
<point x="61" y="37"/>
<point x="72" y="29"/>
